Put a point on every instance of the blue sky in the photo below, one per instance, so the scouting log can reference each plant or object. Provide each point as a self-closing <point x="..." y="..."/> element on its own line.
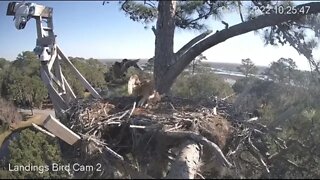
<point x="89" y="29"/>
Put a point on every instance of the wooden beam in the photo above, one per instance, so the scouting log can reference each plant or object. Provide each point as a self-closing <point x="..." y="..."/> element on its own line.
<point x="58" y="102"/>
<point x="54" y="126"/>
<point x="87" y="85"/>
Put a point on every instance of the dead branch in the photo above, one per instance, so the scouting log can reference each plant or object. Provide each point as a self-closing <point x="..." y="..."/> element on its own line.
<point x="239" y="7"/>
<point x="192" y="42"/>
<point x="134" y="106"/>
<point x="102" y="144"/>
<point x="202" y="140"/>
<point x="256" y="153"/>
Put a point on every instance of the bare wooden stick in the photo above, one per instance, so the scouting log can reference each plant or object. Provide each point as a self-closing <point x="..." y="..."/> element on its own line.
<point x="92" y="121"/>
<point x="228" y="97"/>
<point x="105" y="112"/>
<point x="174" y="128"/>
<point x="252" y="119"/>
<point x="136" y="126"/>
<point x="43" y="130"/>
<point x="134" y="106"/>
<point x="116" y="117"/>
<point x="256" y="153"/>
<point x="88" y="113"/>
<point x="98" y="142"/>
<point x="125" y="113"/>
<point x="110" y="123"/>
<point x="172" y="107"/>
<point x="200" y="175"/>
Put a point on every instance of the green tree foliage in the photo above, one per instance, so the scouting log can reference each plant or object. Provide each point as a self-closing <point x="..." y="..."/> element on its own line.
<point x="241" y="84"/>
<point x="295" y="111"/>
<point x="188" y="13"/>
<point x="36" y="149"/>
<point x="199" y="86"/>
<point x="22" y="82"/>
<point x="196" y="63"/>
<point x="92" y="69"/>
<point x="282" y="71"/>
<point x="4" y="65"/>
<point x="247" y="67"/>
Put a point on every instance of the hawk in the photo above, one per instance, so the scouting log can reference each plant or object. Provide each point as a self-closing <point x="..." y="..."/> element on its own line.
<point x="120" y="69"/>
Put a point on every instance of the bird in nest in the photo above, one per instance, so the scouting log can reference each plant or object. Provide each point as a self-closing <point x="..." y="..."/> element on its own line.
<point x="143" y="90"/>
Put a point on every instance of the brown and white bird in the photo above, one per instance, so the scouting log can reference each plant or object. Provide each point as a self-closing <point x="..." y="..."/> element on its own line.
<point x="142" y="89"/>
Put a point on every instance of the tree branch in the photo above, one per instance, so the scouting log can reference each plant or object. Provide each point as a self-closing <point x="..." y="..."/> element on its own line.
<point x="149" y="3"/>
<point x="256" y="153"/>
<point x="187" y="46"/>
<point x="241" y="28"/>
<point x="302" y="26"/>
<point x="191" y="43"/>
<point x="239" y="6"/>
<point x="200" y="17"/>
<point x="154" y="30"/>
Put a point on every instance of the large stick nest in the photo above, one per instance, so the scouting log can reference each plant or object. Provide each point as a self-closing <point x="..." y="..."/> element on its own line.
<point x="131" y="142"/>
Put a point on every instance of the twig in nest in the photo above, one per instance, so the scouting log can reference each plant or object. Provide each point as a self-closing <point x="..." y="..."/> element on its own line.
<point x="174" y="128"/>
<point x="238" y="147"/>
<point x="92" y="121"/>
<point x="113" y="153"/>
<point x="113" y="118"/>
<point x="125" y="113"/>
<point x="256" y="153"/>
<point x="136" y="126"/>
<point x="200" y="175"/>
<point x="295" y="165"/>
<point x="105" y="112"/>
<point x="103" y="144"/>
<point x="88" y="113"/>
<point x="134" y="106"/>
<point x="172" y="106"/>
<point x="113" y="122"/>
<point x="188" y="120"/>
<point x="252" y="119"/>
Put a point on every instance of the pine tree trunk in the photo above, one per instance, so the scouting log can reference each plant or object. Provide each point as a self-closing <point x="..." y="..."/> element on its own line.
<point x="164" y="56"/>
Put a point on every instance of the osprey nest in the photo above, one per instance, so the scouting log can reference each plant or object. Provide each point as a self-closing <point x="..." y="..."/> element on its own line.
<point x="175" y="138"/>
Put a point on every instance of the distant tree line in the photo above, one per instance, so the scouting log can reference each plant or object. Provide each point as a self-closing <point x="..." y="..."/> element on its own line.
<point x="283" y="71"/>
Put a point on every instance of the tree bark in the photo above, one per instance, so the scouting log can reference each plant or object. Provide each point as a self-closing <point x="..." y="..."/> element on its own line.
<point x="187" y="162"/>
<point x="166" y="73"/>
<point x="164" y="56"/>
